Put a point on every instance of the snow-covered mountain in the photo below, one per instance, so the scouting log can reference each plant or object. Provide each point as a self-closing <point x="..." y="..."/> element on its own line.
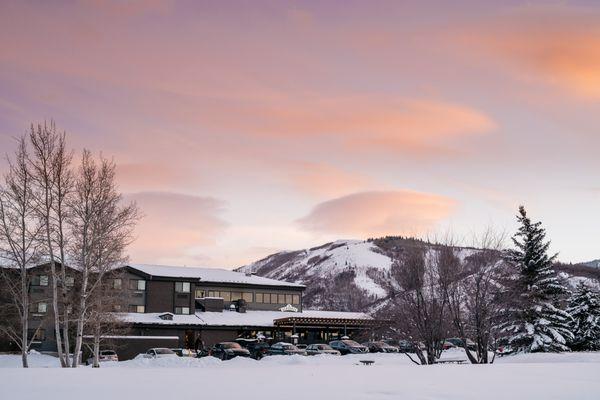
<point x="594" y="264"/>
<point x="359" y="275"/>
<point x="343" y="275"/>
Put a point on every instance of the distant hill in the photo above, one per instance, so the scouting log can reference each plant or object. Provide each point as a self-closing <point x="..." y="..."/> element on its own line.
<point x="357" y="275"/>
<point x="594" y="264"/>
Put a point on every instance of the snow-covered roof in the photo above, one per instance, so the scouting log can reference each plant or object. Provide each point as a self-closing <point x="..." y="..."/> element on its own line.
<point x="213" y="275"/>
<point x="232" y="318"/>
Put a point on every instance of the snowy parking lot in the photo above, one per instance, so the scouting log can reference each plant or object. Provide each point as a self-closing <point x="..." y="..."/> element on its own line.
<point x="392" y="376"/>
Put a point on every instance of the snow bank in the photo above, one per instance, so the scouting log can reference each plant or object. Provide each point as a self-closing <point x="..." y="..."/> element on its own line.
<point x="295" y="377"/>
<point x="36" y="360"/>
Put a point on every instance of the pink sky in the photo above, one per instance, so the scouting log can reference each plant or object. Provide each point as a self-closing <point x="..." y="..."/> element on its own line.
<point x="245" y="128"/>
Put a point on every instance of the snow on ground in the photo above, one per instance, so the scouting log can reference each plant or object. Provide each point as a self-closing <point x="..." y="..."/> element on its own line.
<point x="393" y="376"/>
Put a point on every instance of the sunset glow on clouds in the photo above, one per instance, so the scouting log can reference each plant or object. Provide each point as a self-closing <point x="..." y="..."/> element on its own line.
<point x="376" y="214"/>
<point x="245" y="128"/>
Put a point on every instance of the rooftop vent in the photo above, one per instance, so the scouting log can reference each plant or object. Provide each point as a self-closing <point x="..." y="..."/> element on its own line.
<point x="166" y="316"/>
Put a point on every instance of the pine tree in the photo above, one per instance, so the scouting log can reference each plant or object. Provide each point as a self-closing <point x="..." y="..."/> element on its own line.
<point x="584" y="307"/>
<point x="536" y="323"/>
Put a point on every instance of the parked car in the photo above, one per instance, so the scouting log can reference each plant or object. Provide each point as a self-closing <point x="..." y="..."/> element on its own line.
<point x="457" y="342"/>
<point x="228" y="350"/>
<point x="448" y="345"/>
<point x="302" y="346"/>
<point x="348" y="346"/>
<point x="256" y="348"/>
<point x="283" y="348"/>
<point x="160" y="352"/>
<point x="380" y="347"/>
<point x="406" y="346"/>
<point x="316" y="349"/>
<point x="103" y="355"/>
<point x="185" y="352"/>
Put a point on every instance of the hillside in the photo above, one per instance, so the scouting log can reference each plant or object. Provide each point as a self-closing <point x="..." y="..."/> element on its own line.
<point x="359" y="275"/>
<point x="594" y="264"/>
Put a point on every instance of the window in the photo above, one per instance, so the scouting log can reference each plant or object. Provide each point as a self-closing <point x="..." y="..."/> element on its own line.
<point x="281" y="299"/>
<point x="39" y="280"/>
<point x="37" y="335"/>
<point x="137" y="309"/>
<point x="182" y="287"/>
<point x="248" y="297"/>
<point x="42" y="307"/>
<point x="226" y="296"/>
<point x="296" y="299"/>
<point x="40" y="334"/>
<point x="259" y="297"/>
<point x="199" y="293"/>
<point x="288" y="299"/>
<point x="235" y="296"/>
<point x="182" y="310"/>
<point x="213" y="293"/>
<point x="69" y="281"/>
<point x="137" y="284"/>
<point x="117" y="283"/>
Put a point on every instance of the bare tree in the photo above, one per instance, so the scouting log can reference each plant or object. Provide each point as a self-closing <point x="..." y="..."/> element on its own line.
<point x="420" y="306"/>
<point x="46" y="146"/>
<point x="474" y="292"/>
<point x="19" y="247"/>
<point x="103" y="321"/>
<point x="62" y="189"/>
<point x="101" y="228"/>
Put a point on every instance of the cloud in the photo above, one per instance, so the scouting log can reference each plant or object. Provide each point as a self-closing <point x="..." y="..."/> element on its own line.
<point x="555" y="45"/>
<point x="175" y="226"/>
<point x="324" y="180"/>
<point x="378" y="213"/>
<point x="360" y="123"/>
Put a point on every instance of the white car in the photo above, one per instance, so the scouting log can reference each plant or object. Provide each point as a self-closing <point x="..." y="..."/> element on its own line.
<point x="160" y="352"/>
<point x="316" y="349"/>
<point x="103" y="355"/>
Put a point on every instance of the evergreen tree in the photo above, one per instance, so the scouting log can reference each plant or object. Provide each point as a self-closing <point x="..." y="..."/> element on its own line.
<point x="584" y="307"/>
<point x="536" y="322"/>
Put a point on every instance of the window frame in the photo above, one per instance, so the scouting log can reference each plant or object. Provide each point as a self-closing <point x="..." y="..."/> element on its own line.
<point x="180" y="287"/>
<point x="135" y="308"/>
<point x="250" y="297"/>
<point x="181" y="309"/>
<point x="136" y="283"/>
<point x="45" y="307"/>
<point x="70" y="281"/>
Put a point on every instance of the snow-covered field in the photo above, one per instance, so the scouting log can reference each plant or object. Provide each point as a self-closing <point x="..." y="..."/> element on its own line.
<point x="393" y="376"/>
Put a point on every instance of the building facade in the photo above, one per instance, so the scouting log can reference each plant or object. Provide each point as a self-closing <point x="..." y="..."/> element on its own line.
<point x="191" y="307"/>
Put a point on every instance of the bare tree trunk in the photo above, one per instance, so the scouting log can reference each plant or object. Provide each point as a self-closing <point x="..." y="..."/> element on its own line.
<point x="25" y="322"/>
<point x="56" y="310"/>
<point x="80" y="319"/>
<point x="97" y="346"/>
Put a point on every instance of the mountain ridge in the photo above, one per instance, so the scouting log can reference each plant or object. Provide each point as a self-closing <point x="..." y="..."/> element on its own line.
<point x="360" y="275"/>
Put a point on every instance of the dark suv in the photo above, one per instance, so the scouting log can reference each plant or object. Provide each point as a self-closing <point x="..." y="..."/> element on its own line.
<point x="228" y="350"/>
<point x="257" y="349"/>
<point x="348" y="347"/>
<point x="287" y="349"/>
<point x="380" y="347"/>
